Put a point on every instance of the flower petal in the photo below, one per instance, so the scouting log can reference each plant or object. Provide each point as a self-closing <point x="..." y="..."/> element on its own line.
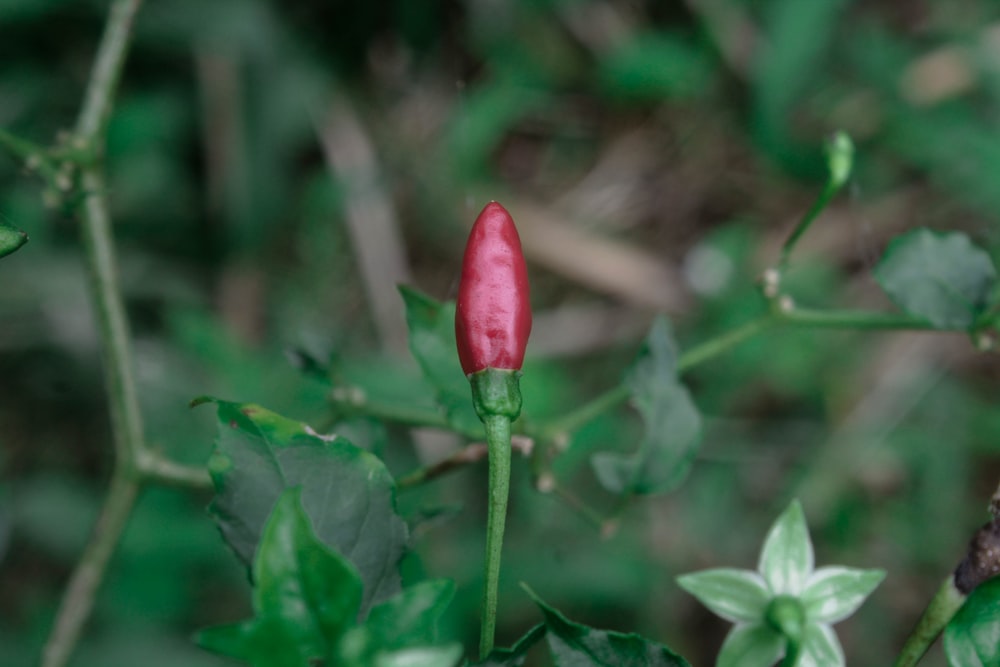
<point x="735" y="595"/>
<point x="834" y="593"/>
<point x="786" y="560"/>
<point x="751" y="645"/>
<point x="820" y="647"/>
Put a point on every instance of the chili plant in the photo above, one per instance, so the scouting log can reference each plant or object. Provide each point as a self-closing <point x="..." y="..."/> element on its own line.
<point x="313" y="519"/>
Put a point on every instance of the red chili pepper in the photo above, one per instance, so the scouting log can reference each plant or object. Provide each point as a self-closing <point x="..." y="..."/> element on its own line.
<point x="493" y="315"/>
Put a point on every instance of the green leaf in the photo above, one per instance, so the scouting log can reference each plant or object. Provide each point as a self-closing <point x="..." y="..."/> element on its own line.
<point x="515" y="655"/>
<point x="432" y="343"/>
<point x="576" y="645"/>
<point x="347" y="493"/>
<point x="409" y="618"/>
<point x="972" y="638"/>
<point x="299" y="579"/>
<point x="403" y="630"/>
<point x="421" y="656"/>
<point x="942" y="278"/>
<point x="752" y="645"/>
<point x="260" y="642"/>
<point x="673" y="425"/>
<point x="305" y="597"/>
<point x="735" y="595"/>
<point x="11" y="239"/>
<point x="834" y="593"/>
<point x="786" y="559"/>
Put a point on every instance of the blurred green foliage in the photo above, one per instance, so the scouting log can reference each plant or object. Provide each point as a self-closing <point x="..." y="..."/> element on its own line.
<point x="235" y="248"/>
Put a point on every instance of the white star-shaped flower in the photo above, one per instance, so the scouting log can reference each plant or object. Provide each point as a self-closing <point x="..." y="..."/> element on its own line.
<point x="786" y="608"/>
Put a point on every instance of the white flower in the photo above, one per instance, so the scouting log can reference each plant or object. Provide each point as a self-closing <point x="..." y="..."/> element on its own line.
<point x="786" y="607"/>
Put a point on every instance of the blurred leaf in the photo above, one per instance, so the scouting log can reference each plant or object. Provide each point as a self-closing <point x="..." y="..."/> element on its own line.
<point x="515" y="655"/>
<point x="11" y="239"/>
<point x="673" y="425"/>
<point x="404" y="630"/>
<point x="973" y="635"/>
<point x="576" y="645"/>
<point x="305" y="596"/>
<point x="347" y="493"/>
<point x="942" y="278"/>
<point x="432" y="342"/>
<point x="653" y="66"/>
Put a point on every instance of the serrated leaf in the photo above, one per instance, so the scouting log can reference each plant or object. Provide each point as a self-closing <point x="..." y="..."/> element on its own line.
<point x="11" y="239"/>
<point x="516" y="654"/>
<point x="432" y="343"/>
<point x="576" y="645"/>
<point x="673" y="424"/>
<point x="786" y="559"/>
<point x="972" y="638"/>
<point x="942" y="278"/>
<point x="735" y="595"/>
<point x="347" y="493"/>
<point x="834" y="593"/>
<point x="305" y="597"/>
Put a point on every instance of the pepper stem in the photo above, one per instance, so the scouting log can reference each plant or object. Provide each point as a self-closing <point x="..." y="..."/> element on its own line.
<point x="498" y="444"/>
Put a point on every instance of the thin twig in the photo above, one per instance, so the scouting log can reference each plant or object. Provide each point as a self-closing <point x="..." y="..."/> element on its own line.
<point x="471" y="453"/>
<point x="155" y="468"/>
<point x="126" y="419"/>
<point x="78" y="599"/>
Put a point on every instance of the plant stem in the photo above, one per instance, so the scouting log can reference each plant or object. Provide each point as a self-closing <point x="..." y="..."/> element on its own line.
<point x="792" y="651"/>
<point x="586" y="412"/>
<point x="721" y="344"/>
<point x="498" y="442"/>
<point x="687" y="360"/>
<point x="473" y="453"/>
<point x="942" y="607"/>
<point x="106" y="72"/>
<point x="78" y="599"/>
<point x="829" y="190"/>
<point x="155" y="468"/>
<point x="851" y="319"/>
<point x="839" y="162"/>
<point x="126" y="419"/>
<point x="352" y="400"/>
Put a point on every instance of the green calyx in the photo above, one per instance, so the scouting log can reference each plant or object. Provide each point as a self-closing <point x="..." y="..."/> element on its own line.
<point x="787" y="615"/>
<point x="496" y="392"/>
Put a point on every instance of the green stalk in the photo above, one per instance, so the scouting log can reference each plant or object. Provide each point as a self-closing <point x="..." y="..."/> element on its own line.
<point x="839" y="162"/>
<point x="942" y="607"/>
<point x="498" y="442"/>
<point x="78" y="600"/>
<point x="792" y="650"/>
<point x="126" y="420"/>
